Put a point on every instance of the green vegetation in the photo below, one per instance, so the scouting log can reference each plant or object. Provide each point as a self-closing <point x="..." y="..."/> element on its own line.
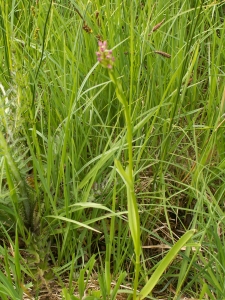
<point x="112" y="179"/>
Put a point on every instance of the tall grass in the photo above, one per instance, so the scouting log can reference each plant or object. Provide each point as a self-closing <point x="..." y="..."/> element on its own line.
<point x="62" y="204"/>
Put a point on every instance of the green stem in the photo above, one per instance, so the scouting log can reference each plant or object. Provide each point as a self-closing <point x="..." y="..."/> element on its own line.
<point x="132" y="203"/>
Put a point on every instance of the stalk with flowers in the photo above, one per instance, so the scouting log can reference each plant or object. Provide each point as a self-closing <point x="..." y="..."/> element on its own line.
<point x="106" y="59"/>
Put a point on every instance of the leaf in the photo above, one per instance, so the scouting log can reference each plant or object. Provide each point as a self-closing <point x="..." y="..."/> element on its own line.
<point x="124" y="175"/>
<point x="164" y="264"/>
<point x="74" y="222"/>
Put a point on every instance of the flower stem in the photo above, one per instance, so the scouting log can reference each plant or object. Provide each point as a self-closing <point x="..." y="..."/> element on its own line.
<point x="133" y="215"/>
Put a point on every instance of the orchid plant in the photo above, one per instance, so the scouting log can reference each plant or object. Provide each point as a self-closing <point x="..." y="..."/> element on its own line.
<point x="106" y="59"/>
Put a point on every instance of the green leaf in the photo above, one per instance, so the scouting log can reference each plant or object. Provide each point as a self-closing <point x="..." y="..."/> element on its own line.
<point x="165" y="263"/>
<point x="81" y="283"/>
<point x="74" y="222"/>
<point x="124" y="175"/>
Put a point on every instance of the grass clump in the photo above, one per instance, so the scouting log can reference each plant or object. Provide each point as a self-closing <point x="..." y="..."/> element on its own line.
<point x="108" y="199"/>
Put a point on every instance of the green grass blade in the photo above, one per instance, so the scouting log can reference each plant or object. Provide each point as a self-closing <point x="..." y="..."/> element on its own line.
<point x="164" y="263"/>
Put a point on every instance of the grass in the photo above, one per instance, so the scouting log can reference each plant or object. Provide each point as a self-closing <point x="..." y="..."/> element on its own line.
<point x="79" y="169"/>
